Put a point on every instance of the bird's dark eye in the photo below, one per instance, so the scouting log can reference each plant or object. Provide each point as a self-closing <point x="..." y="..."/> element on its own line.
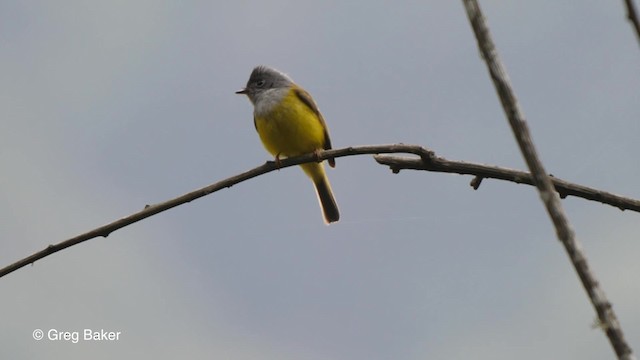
<point x="260" y="83"/>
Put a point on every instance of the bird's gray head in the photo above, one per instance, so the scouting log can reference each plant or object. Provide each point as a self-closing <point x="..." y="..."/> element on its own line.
<point x="262" y="80"/>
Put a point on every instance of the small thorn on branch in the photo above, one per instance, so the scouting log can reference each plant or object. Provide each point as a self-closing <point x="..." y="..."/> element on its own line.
<point x="475" y="182"/>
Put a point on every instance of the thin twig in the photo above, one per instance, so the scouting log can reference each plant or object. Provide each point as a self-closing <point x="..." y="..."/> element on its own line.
<point x="150" y="210"/>
<point x="481" y="171"/>
<point x="426" y="161"/>
<point x="632" y="15"/>
<point x="543" y="182"/>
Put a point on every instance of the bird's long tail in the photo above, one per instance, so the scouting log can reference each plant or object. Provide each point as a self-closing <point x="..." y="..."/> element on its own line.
<point x="328" y="203"/>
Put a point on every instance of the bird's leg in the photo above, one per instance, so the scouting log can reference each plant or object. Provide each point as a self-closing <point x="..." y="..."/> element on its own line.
<point x="331" y="161"/>
<point x="277" y="161"/>
<point x="316" y="155"/>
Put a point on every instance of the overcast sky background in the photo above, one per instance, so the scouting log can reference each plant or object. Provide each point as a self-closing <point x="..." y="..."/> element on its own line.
<point x="108" y="106"/>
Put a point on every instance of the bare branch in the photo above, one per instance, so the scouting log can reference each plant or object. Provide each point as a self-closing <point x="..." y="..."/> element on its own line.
<point x="427" y="160"/>
<point x="632" y="15"/>
<point x="150" y="210"/>
<point x="543" y="182"/>
<point x="481" y="171"/>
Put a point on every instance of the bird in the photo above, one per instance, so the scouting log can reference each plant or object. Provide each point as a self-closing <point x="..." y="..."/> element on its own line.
<point x="289" y="123"/>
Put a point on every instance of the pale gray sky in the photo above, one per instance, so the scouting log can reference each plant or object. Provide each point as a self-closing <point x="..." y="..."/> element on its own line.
<point x="108" y="106"/>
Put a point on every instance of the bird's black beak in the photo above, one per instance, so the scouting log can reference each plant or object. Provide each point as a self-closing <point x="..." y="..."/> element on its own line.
<point x="242" y="91"/>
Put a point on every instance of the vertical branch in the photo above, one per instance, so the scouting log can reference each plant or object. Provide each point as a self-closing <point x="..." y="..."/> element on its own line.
<point x="632" y="15"/>
<point x="542" y="181"/>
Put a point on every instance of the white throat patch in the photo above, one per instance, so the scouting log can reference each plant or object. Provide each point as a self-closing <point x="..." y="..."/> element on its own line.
<point x="268" y="99"/>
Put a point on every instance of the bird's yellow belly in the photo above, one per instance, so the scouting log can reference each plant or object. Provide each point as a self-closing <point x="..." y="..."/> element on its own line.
<point x="290" y="128"/>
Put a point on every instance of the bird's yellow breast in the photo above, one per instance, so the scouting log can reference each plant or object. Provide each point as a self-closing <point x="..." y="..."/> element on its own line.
<point x="290" y="127"/>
